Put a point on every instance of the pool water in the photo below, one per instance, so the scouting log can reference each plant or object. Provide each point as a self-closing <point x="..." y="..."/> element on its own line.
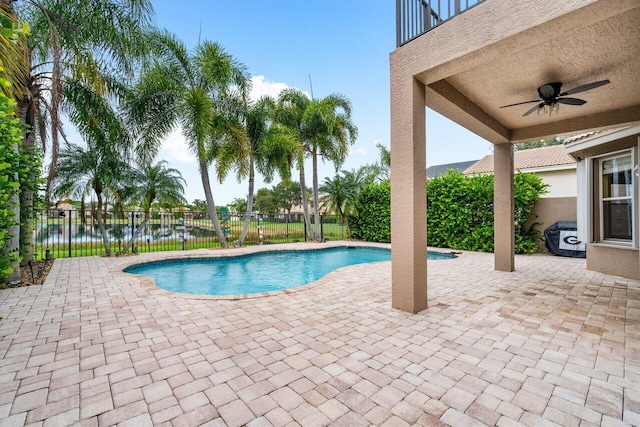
<point x="259" y="272"/>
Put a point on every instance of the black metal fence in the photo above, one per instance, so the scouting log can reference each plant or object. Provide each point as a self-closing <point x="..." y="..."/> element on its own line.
<point x="73" y="233"/>
<point x="415" y="17"/>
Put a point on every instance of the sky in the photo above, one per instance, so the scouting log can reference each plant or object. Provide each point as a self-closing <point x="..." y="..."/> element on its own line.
<point x="321" y="47"/>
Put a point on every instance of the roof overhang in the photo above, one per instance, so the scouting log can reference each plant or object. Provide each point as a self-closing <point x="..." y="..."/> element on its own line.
<point x="602" y="138"/>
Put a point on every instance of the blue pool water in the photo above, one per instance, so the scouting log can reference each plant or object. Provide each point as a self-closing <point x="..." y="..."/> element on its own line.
<point x="259" y="272"/>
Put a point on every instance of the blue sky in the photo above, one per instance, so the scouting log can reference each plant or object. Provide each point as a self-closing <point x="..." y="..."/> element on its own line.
<point x="343" y="44"/>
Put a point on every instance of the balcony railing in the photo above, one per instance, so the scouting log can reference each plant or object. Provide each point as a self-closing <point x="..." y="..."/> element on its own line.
<point x="416" y="17"/>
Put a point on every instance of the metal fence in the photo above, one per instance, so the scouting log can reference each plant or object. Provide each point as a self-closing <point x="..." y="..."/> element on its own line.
<point x="416" y="17"/>
<point x="73" y="233"/>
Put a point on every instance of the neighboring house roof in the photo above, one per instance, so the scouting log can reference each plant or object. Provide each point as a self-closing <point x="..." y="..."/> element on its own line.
<point x="535" y="158"/>
<point x="442" y="169"/>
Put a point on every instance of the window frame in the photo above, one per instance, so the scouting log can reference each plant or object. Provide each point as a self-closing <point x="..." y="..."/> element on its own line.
<point x="627" y="152"/>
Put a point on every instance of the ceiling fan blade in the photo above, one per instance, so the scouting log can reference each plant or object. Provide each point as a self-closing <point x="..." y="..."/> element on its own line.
<point x="583" y="88"/>
<point x="520" y="103"/>
<point x="537" y="107"/>
<point x="571" y="101"/>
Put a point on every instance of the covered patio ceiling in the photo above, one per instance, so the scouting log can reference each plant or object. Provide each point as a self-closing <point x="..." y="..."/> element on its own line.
<point x="500" y="55"/>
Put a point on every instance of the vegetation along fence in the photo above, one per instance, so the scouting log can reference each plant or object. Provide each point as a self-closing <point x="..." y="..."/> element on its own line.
<point x="69" y="233"/>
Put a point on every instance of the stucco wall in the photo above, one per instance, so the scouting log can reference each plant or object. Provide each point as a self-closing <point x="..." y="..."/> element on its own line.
<point x="551" y="209"/>
<point x="617" y="260"/>
<point x="562" y="183"/>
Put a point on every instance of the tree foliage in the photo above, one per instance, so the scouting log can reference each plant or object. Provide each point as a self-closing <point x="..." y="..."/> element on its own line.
<point x="264" y="201"/>
<point x="459" y="214"/>
<point x="286" y="195"/>
<point x="548" y="142"/>
<point x="10" y="135"/>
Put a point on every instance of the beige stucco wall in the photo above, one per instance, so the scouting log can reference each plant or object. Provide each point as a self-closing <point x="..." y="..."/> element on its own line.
<point x="562" y="183"/>
<point x="552" y="209"/>
<point x="610" y="259"/>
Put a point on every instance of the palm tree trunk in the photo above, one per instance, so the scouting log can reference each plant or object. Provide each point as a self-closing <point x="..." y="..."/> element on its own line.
<point x="344" y="220"/>
<point x="103" y="230"/>
<point x="305" y="203"/>
<point x="213" y="212"/>
<point x="134" y="236"/>
<point x="247" y="216"/>
<point x="316" y="206"/>
<point x="83" y="210"/>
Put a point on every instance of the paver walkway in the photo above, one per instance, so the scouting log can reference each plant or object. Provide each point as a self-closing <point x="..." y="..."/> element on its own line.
<point x="550" y="344"/>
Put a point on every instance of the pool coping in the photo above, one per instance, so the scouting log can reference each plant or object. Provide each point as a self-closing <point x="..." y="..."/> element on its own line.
<point x="149" y="283"/>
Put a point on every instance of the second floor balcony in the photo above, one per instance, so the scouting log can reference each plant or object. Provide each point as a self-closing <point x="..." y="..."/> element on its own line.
<point x="416" y="17"/>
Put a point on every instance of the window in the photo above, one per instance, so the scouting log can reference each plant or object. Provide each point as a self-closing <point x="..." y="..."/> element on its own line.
<point x="616" y="198"/>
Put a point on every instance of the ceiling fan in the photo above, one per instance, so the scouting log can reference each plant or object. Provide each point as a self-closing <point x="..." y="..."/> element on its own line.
<point x="551" y="96"/>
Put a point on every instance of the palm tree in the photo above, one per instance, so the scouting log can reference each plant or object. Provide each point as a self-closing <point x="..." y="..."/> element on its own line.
<point x="12" y="46"/>
<point x="85" y="169"/>
<point x="69" y="40"/>
<point x="198" y="207"/>
<point x="75" y="40"/>
<point x="340" y="193"/>
<point x="292" y="104"/>
<point x="270" y="147"/>
<point x="330" y="130"/>
<point x="193" y="90"/>
<point x="101" y="164"/>
<point x="151" y="183"/>
<point x="324" y="129"/>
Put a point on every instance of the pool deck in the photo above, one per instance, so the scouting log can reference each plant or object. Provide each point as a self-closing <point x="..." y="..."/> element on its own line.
<point x="549" y="344"/>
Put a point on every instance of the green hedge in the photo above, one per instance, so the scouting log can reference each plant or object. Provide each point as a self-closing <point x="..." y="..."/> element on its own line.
<point x="459" y="214"/>
<point x="373" y="222"/>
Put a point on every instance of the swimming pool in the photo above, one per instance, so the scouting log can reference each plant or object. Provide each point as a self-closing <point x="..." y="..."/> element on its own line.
<point x="259" y="272"/>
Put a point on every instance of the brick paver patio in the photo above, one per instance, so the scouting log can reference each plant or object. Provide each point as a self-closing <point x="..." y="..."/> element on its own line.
<point x="550" y="344"/>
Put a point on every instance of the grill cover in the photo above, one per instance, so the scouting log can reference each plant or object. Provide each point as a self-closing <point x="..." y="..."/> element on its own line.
<point x="561" y="238"/>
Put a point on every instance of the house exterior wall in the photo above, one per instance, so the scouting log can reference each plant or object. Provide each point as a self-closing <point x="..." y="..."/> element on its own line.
<point x="549" y="210"/>
<point x="604" y="256"/>
<point x="617" y="260"/>
<point x="562" y="183"/>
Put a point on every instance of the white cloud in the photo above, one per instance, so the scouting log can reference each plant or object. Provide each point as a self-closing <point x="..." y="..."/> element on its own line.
<point x="361" y="150"/>
<point x="175" y="149"/>
<point x="260" y="86"/>
<point x="376" y="143"/>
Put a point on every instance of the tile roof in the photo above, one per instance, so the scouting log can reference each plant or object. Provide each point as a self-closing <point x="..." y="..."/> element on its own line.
<point x="527" y="159"/>
<point x="442" y="169"/>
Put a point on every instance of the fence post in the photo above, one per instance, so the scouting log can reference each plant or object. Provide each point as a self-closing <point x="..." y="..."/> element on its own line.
<point x="321" y="229"/>
<point x="133" y="231"/>
<point x="286" y="219"/>
<point x="305" y="229"/>
<point x="69" y="214"/>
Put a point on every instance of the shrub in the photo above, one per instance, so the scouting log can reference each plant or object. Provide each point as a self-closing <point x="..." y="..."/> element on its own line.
<point x="459" y="214"/>
<point x="373" y="222"/>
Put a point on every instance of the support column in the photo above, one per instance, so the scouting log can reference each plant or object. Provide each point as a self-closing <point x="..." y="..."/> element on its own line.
<point x="503" y="208"/>
<point x="408" y="194"/>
